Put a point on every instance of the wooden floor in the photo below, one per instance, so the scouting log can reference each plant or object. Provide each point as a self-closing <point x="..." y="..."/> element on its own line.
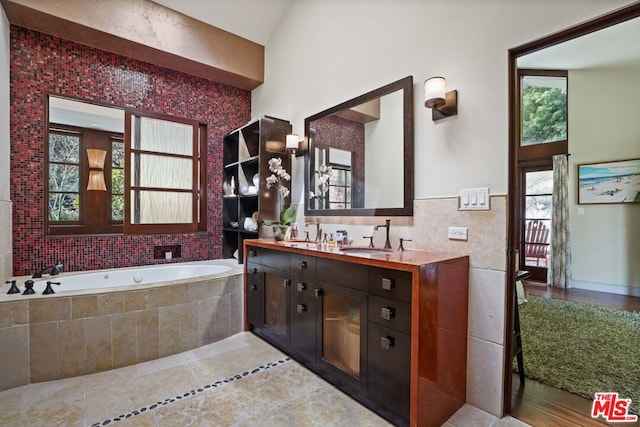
<point x="541" y="405"/>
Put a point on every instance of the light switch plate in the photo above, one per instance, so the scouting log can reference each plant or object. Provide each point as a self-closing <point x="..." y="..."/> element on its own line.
<point x="474" y="199"/>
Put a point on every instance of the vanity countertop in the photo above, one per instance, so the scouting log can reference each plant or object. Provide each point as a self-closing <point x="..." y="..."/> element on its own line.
<point x="407" y="260"/>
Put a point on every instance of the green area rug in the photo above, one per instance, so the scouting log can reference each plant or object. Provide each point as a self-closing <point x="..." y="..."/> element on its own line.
<point x="582" y="348"/>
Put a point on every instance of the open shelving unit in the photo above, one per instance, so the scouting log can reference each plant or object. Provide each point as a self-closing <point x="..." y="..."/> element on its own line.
<point x="246" y="154"/>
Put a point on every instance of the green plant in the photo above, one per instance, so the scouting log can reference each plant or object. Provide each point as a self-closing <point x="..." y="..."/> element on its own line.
<point x="277" y="178"/>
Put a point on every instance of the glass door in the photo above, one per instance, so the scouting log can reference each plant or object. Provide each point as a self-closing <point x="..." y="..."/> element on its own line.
<point x="343" y="331"/>
<point x="536" y="222"/>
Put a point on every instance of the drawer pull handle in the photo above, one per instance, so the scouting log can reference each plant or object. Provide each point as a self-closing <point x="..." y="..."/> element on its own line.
<point x="286" y="282"/>
<point x="301" y="308"/>
<point x="254" y="287"/>
<point x="254" y="271"/>
<point x="386" y="343"/>
<point x="318" y="292"/>
<point x="253" y="253"/>
<point x="302" y="265"/>
<point x="387" y="313"/>
<point x="387" y="284"/>
<point x="301" y="287"/>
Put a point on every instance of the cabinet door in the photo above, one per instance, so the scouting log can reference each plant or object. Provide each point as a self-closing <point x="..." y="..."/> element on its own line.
<point x="255" y="296"/>
<point x="303" y="315"/>
<point x="276" y="303"/>
<point x="389" y="368"/>
<point x="343" y="332"/>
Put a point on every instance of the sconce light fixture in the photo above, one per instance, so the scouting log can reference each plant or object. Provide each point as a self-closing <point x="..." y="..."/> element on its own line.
<point x="292" y="145"/>
<point x="96" y="169"/>
<point x="442" y="103"/>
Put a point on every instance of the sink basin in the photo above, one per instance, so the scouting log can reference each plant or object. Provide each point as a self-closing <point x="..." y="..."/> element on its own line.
<point x="363" y="250"/>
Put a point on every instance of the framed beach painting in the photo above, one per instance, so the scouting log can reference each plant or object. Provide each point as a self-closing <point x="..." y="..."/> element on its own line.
<point x="609" y="182"/>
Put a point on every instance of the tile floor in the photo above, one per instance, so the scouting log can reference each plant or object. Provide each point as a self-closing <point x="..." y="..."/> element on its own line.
<point x="240" y="381"/>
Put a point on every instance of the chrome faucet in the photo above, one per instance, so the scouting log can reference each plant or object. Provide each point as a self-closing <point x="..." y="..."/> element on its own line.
<point x="55" y="269"/>
<point x="387" y="244"/>
<point x="318" y="229"/>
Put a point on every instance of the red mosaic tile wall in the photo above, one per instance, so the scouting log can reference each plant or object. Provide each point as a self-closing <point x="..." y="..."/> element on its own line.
<point x="42" y="64"/>
<point x="334" y="131"/>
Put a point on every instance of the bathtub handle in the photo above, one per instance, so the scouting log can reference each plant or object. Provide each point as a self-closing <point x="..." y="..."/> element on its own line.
<point x="49" y="290"/>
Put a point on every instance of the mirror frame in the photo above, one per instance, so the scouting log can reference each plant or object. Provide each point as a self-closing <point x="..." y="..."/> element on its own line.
<point x="601" y="22"/>
<point x="406" y="85"/>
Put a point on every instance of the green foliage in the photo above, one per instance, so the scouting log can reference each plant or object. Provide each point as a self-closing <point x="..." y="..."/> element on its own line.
<point x="544" y="115"/>
<point x="286" y="217"/>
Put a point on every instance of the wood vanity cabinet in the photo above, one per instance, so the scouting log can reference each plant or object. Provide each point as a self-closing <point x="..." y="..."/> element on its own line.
<point x="390" y="332"/>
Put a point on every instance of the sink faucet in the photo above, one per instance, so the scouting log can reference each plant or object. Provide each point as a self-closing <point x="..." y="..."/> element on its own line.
<point x="318" y="229"/>
<point x="55" y="269"/>
<point x="387" y="244"/>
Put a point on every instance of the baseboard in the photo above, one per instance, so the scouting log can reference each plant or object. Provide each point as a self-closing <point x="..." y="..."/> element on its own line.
<point x="606" y="287"/>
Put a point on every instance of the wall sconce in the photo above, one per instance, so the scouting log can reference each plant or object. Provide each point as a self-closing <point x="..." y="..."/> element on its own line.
<point x="96" y="169"/>
<point x="293" y="145"/>
<point x="442" y="103"/>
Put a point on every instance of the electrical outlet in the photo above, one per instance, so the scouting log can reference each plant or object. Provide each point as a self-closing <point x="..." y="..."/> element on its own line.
<point x="458" y="233"/>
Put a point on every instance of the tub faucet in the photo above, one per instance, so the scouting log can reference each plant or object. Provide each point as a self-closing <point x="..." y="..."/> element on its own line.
<point x="318" y="229"/>
<point x="387" y="244"/>
<point x="55" y="269"/>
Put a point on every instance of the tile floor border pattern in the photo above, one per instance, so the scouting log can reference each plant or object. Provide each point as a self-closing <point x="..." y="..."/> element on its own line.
<point x="205" y="388"/>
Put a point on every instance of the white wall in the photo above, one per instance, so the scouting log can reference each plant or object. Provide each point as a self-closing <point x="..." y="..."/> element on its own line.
<point x="5" y="203"/>
<point x="603" y="126"/>
<point x="327" y="51"/>
<point x="381" y="157"/>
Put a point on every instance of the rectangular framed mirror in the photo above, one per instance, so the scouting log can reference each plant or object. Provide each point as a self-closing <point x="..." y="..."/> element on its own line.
<point x="360" y="159"/>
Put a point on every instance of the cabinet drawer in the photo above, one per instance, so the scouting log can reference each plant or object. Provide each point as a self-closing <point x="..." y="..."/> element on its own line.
<point x="303" y="266"/>
<point x="390" y="283"/>
<point x="389" y="368"/>
<point x="274" y="259"/>
<point x="390" y="313"/>
<point x="344" y="273"/>
<point x="252" y="255"/>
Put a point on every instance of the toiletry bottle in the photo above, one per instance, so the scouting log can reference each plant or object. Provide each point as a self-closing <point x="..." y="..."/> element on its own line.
<point x="332" y="241"/>
<point x="294" y="230"/>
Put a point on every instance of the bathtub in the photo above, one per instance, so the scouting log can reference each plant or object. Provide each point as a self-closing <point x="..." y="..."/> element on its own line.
<point x="104" y="319"/>
<point x="117" y="278"/>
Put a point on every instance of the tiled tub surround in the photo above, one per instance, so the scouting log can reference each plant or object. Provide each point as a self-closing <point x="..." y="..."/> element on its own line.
<point x="41" y="65"/>
<point x="47" y="337"/>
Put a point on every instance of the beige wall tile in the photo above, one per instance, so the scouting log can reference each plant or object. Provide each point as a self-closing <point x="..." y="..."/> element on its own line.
<point x="167" y="295"/>
<point x="110" y="303"/>
<point x="147" y="335"/>
<point x="135" y="300"/>
<point x="222" y="318"/>
<point x="200" y="290"/>
<point x="487" y="230"/>
<point x="123" y="335"/>
<point x="168" y="330"/>
<point x="189" y="326"/>
<point x="486" y="305"/>
<point x="207" y="319"/>
<point x="484" y="375"/>
<point x="14" y="356"/>
<point x="43" y="348"/>
<point x="84" y="306"/>
<point x="72" y="351"/>
<point x="236" y="312"/>
<point x="99" y="348"/>
<point x="14" y="313"/>
<point x="49" y="309"/>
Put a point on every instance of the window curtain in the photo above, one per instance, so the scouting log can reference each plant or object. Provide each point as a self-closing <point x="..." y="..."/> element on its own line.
<point x="559" y="272"/>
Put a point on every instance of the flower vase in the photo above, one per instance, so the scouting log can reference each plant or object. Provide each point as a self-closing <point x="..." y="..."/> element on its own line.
<point x="281" y="232"/>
